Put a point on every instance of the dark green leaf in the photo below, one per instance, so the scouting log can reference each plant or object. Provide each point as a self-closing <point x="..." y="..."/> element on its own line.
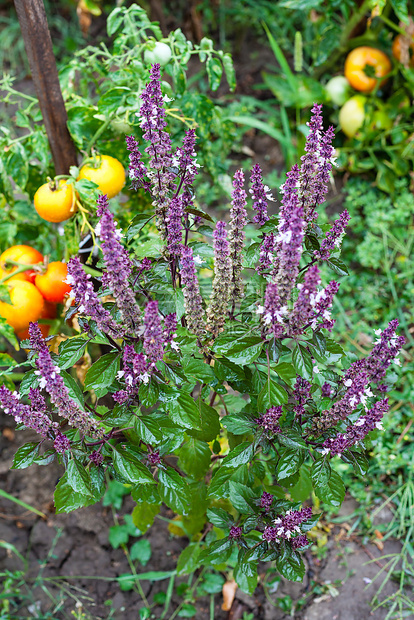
<point x="217" y="552"/>
<point x="78" y="477"/>
<point x="148" y="393"/>
<point x="289" y="463"/>
<point x="271" y="395"/>
<point x="333" y="492"/>
<point x="148" y="429"/>
<point x="103" y="372"/>
<point x="302" y="361"/>
<point x="143" y="515"/>
<point x="290" y="565"/>
<point x="195" y="457"/>
<point x="245" y="575"/>
<point x="70" y="351"/>
<point x="173" y="491"/>
<point x="242" y="497"/>
<point x="188" y="559"/>
<point x="210" y="423"/>
<point x="338" y="266"/>
<point x="25" y="455"/>
<point x="243" y="453"/>
<point x="130" y="468"/>
<point x="238" y="423"/>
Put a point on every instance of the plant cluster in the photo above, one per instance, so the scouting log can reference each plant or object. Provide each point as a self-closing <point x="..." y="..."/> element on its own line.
<point x="223" y="397"/>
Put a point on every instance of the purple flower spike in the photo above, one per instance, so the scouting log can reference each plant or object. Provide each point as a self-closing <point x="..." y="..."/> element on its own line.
<point x="289" y="239"/>
<point x="273" y="311"/>
<point x="238" y="219"/>
<point x="300" y="541"/>
<point x="266" y="501"/>
<point x="316" y="165"/>
<point x="118" y="266"/>
<point x="356" y="432"/>
<point x="30" y="416"/>
<point x="96" y="458"/>
<point x="301" y="393"/>
<point x="260" y="194"/>
<point x="61" y="443"/>
<point x="174" y="226"/>
<point x="303" y="311"/>
<point x="137" y="170"/>
<point x="235" y="532"/>
<point x="266" y="255"/>
<point x="192" y="299"/>
<point x="52" y="382"/>
<point x="334" y="237"/>
<point x="270" y="420"/>
<point x="219" y="300"/>
<point x="153" y="333"/>
<point x="290" y="523"/>
<point x="87" y="299"/>
<point x="170" y="328"/>
<point x="187" y="158"/>
<point x="153" y="123"/>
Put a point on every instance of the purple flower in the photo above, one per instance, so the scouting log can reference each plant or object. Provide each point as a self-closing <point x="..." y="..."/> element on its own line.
<point x="52" y="382"/>
<point x="153" y="124"/>
<point x="235" y="532"/>
<point x="303" y="310"/>
<point x="301" y="393"/>
<point x="153" y="333"/>
<point x="270" y="534"/>
<point x="187" y="158"/>
<point x="273" y="311"/>
<point x="137" y="170"/>
<point x="30" y="416"/>
<point x="170" y="328"/>
<point x="326" y="390"/>
<point x="289" y="239"/>
<point x="135" y="370"/>
<point x="334" y="237"/>
<point x="316" y="165"/>
<point x="260" y="194"/>
<point x="87" y="299"/>
<point x="219" y="300"/>
<point x="192" y="299"/>
<point x="290" y="523"/>
<point x="174" y="226"/>
<point x="266" y="257"/>
<point x="266" y="501"/>
<point x="238" y="219"/>
<point x="118" y="266"/>
<point x="299" y="542"/>
<point x="154" y="458"/>
<point x="356" y="432"/>
<point x="360" y="375"/>
<point x="324" y="300"/>
<point x="269" y="420"/>
<point x="96" y="458"/>
<point x="61" y="443"/>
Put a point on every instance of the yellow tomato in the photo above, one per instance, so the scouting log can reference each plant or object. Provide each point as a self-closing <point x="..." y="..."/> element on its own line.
<point x="108" y="174"/>
<point x="361" y="57"/>
<point x="55" y="205"/>
<point x="26" y="305"/>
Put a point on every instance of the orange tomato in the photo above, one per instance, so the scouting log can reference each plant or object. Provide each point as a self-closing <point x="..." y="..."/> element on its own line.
<point x="396" y="49"/>
<point x="52" y="283"/>
<point x="108" y="173"/>
<point x="358" y="59"/>
<point x="48" y="312"/>
<point x="26" y="305"/>
<point x="21" y="254"/>
<point x="55" y="205"/>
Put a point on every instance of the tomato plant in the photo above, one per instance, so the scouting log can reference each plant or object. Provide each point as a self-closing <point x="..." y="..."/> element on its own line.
<point x="352" y="115"/>
<point x="22" y="254"/>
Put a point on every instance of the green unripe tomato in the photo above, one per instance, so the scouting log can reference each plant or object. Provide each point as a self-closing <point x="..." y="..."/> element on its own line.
<point x="338" y="89"/>
<point x="352" y="115"/>
<point x="160" y="53"/>
<point x="381" y="120"/>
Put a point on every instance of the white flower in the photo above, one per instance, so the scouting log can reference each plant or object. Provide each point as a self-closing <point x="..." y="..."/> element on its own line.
<point x="145" y="377"/>
<point x="175" y="346"/>
<point x="377" y="332"/>
<point x="397" y="361"/>
<point x="98" y="229"/>
<point x="348" y="382"/>
<point x="198" y="260"/>
<point x="167" y="99"/>
<point x="120" y="374"/>
<point x="316" y="370"/>
<point x="259" y="309"/>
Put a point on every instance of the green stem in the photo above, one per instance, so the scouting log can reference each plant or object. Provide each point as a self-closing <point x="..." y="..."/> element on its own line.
<point x="343" y="41"/>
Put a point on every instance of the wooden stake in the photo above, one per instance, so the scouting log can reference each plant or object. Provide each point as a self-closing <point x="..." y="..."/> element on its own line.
<point x="38" y="44"/>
